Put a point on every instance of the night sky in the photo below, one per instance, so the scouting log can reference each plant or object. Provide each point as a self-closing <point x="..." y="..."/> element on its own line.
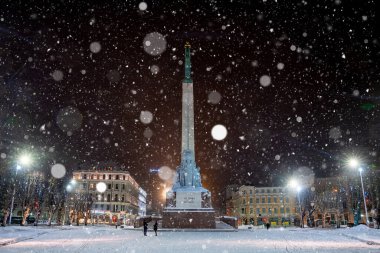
<point x="298" y="84"/>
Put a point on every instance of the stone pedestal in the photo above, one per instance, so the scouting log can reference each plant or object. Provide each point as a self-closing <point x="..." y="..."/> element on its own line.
<point x="188" y="218"/>
<point x="188" y="207"/>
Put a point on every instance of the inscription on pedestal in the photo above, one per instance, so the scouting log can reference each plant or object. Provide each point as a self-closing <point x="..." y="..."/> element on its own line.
<point x="188" y="200"/>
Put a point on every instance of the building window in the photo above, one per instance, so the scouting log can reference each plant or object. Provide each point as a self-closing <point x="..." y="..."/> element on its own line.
<point x="109" y="177"/>
<point x="243" y="210"/>
<point x="263" y="200"/>
<point x="262" y="190"/>
<point x="287" y="210"/>
<point x="282" y="210"/>
<point x="268" y="191"/>
<point x="287" y="200"/>
<point x="84" y="176"/>
<point x="117" y="177"/>
<point x="117" y="186"/>
<point x="108" y="198"/>
<point x="84" y="185"/>
<point x="243" y="201"/>
<point x="104" y="176"/>
<point x="269" y="199"/>
<point x="123" y="186"/>
<point x="274" y="190"/>
<point x="250" y="192"/>
<point x="116" y="198"/>
<point x="250" y="200"/>
<point x="257" y="191"/>
<point x="275" y="210"/>
<point x="270" y="211"/>
<point x="264" y="211"/>
<point x="244" y="192"/>
<point x="257" y="211"/>
<point x="109" y="186"/>
<point x="257" y="200"/>
<point x="275" y="199"/>
<point x="122" y="198"/>
<point x="251" y="210"/>
<point x="108" y="207"/>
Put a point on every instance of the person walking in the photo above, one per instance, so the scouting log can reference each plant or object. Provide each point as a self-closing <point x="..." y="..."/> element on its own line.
<point x="145" y="228"/>
<point x="155" y="227"/>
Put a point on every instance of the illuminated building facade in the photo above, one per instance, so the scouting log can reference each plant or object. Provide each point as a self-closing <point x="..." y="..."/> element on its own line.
<point x="117" y="200"/>
<point x="259" y="205"/>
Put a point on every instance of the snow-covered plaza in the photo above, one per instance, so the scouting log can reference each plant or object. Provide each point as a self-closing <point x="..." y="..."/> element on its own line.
<point x="108" y="239"/>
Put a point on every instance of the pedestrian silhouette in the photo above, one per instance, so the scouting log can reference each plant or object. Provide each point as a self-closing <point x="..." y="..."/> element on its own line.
<point x="155" y="226"/>
<point x="145" y="227"/>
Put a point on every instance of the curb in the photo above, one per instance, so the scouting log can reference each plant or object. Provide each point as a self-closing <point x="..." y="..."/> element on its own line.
<point x="184" y="230"/>
<point x="361" y="240"/>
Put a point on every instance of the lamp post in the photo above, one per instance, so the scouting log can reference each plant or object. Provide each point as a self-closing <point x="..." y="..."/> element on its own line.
<point x="25" y="160"/>
<point x="365" y="204"/>
<point x="13" y="195"/>
<point x="295" y="185"/>
<point x="354" y="163"/>
<point x="299" y="203"/>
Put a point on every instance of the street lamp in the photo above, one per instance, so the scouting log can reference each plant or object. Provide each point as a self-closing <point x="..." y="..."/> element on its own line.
<point x="354" y="163"/>
<point x="69" y="188"/>
<point x="25" y="160"/>
<point x="295" y="185"/>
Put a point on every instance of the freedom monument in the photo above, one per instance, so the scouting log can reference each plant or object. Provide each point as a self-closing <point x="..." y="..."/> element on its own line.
<point x="188" y="204"/>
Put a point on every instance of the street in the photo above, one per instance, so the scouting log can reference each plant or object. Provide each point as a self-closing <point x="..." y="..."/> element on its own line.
<point x="105" y="238"/>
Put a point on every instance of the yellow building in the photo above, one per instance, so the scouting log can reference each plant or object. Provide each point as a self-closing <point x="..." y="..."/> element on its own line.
<point x="102" y="196"/>
<point x="259" y="205"/>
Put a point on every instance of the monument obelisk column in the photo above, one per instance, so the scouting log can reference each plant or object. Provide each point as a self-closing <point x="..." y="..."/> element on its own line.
<point x="187" y="107"/>
<point x="188" y="204"/>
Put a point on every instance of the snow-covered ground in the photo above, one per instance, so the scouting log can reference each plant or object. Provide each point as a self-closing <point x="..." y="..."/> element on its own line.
<point x="105" y="239"/>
